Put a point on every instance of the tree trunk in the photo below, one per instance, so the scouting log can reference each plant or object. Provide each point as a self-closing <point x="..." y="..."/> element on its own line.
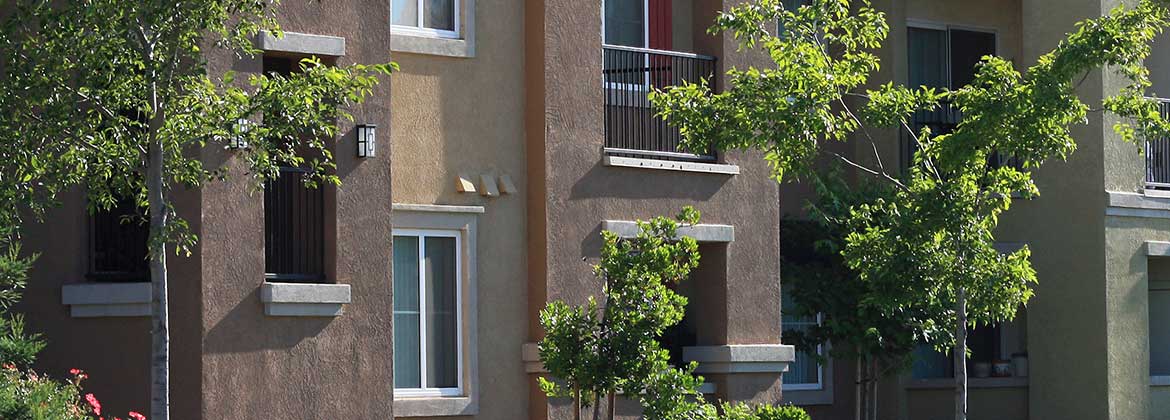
<point x="612" y="405"/>
<point x="576" y="404"/>
<point x="860" y="381"/>
<point x="961" y="356"/>
<point x="160" y="357"/>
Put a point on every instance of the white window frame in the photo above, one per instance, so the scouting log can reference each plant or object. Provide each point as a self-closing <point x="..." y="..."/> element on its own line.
<point x="1156" y="286"/>
<point x="819" y="385"/>
<point x="421" y="30"/>
<point x="424" y="390"/>
<point x="631" y="87"/>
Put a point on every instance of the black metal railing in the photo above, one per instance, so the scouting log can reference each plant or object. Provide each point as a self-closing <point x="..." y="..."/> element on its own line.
<point x="294" y="229"/>
<point x="118" y="244"/>
<point x="1158" y="155"/>
<point x="943" y="120"/>
<point x="631" y="126"/>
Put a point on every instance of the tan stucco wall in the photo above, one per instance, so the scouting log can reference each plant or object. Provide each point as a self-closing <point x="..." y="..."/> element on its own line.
<point x="466" y="116"/>
<point x="983" y="404"/>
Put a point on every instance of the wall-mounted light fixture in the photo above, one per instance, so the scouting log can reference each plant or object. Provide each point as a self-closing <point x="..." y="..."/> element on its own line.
<point x="366" y="140"/>
<point x="238" y="140"/>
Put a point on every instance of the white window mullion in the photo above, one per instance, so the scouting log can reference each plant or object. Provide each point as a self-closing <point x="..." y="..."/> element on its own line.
<point x="421" y="25"/>
<point x="422" y="309"/>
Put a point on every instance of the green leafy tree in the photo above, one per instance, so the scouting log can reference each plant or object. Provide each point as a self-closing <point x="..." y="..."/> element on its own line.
<point x="929" y="245"/>
<point x="116" y="95"/>
<point x="600" y="349"/>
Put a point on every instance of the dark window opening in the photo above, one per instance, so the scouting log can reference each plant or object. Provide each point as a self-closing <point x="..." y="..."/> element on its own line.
<point x="294" y="230"/>
<point x="118" y="239"/>
<point x="945" y="59"/>
<point x="294" y="214"/>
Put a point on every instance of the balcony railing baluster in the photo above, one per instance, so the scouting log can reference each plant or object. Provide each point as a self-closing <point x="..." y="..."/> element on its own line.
<point x="1158" y="155"/>
<point x="631" y="126"/>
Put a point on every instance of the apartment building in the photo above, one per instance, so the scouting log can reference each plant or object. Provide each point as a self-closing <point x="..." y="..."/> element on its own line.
<point x="515" y="133"/>
<point x="1093" y="343"/>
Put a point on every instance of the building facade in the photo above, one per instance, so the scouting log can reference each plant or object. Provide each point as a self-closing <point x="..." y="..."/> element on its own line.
<point x="514" y="134"/>
<point x="517" y="131"/>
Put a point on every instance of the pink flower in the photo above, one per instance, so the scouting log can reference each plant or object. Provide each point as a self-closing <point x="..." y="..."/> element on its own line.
<point x="136" y="416"/>
<point x="75" y="371"/>
<point x="8" y="366"/>
<point x="94" y="404"/>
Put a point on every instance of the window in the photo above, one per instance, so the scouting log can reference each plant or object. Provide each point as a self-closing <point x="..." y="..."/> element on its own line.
<point x="294" y="214"/>
<point x="946" y="58"/>
<point x="988" y="345"/>
<point x="426" y="17"/>
<point x="294" y="229"/>
<point x="118" y="239"/>
<point x="804" y="373"/>
<point x="427" y="315"/>
<point x="1160" y="323"/>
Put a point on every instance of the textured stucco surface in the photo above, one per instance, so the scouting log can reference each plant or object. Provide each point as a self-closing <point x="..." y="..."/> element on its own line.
<point x="457" y="116"/>
<point x="566" y="136"/>
<point x="305" y="367"/>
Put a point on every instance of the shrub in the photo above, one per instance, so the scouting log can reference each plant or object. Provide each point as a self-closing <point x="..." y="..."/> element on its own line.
<point x="25" y="395"/>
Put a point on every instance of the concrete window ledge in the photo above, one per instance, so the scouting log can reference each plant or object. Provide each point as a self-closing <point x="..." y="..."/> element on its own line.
<point x="670" y="165"/>
<point x="973" y="383"/>
<point x="700" y="232"/>
<point x="1159" y="380"/>
<point x="304" y="299"/>
<point x="298" y="43"/>
<point x="435" y="406"/>
<point x="101" y="300"/>
<point x="752" y="358"/>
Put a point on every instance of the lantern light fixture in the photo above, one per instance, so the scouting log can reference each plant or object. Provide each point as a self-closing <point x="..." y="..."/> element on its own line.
<point x="366" y="140"/>
<point x="238" y="139"/>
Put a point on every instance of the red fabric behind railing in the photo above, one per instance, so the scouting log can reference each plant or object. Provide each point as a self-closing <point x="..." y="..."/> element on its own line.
<point x="661" y="34"/>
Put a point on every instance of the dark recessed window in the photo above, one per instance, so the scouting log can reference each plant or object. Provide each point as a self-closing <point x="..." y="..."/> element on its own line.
<point x="294" y="214"/>
<point x="118" y="244"/>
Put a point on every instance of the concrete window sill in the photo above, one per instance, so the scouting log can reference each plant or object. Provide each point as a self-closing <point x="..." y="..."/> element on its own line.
<point x="701" y="232"/>
<point x="431" y="45"/>
<point x="1160" y="380"/>
<point x="103" y="300"/>
<point x="973" y="383"/>
<point x="434" y="406"/>
<point x="304" y="299"/>
<point x="670" y="165"/>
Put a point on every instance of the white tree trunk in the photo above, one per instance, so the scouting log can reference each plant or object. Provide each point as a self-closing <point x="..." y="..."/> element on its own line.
<point x="961" y="356"/>
<point x="160" y="354"/>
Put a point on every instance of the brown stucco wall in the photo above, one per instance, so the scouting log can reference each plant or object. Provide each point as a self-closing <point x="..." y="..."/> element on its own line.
<point x="581" y="191"/>
<point x="272" y="367"/>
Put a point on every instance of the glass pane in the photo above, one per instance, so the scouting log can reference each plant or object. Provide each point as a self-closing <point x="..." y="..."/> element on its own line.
<point x="967" y="49"/>
<point x="803" y="370"/>
<point x="407" y="365"/>
<point x="442" y="309"/>
<point x="929" y="363"/>
<point x="439" y="14"/>
<point x="625" y="23"/>
<point x="1159" y="332"/>
<point x="404" y="12"/>
<point x="928" y="52"/>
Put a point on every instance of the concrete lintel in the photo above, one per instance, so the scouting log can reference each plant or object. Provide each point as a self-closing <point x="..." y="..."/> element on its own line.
<point x="303" y="299"/>
<point x="298" y="43"/>
<point x="749" y="358"/>
<point x="438" y="208"/>
<point x="101" y="300"/>
<point x="1157" y="249"/>
<point x="701" y="232"/>
<point x="670" y="165"/>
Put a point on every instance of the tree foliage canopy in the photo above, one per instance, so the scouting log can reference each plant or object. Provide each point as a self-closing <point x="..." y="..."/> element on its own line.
<point x="933" y="236"/>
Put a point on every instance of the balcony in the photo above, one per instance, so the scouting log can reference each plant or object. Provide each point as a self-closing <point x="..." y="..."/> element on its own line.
<point x="1158" y="155"/>
<point x="631" y="128"/>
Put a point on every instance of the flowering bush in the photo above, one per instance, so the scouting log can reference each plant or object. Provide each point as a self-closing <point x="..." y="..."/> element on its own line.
<point x="25" y="395"/>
